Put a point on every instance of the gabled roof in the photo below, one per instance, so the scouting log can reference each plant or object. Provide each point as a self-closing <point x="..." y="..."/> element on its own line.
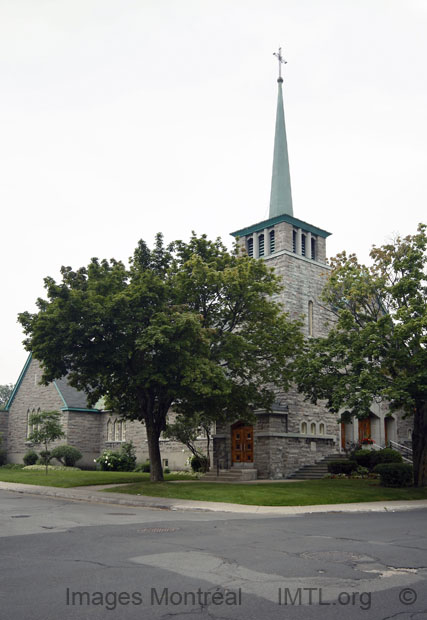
<point x="73" y="399"/>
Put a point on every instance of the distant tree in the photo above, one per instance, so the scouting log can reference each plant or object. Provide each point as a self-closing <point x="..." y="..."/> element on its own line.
<point x="377" y="348"/>
<point x="190" y="325"/>
<point x="187" y="430"/>
<point x="5" y="392"/>
<point x="46" y="428"/>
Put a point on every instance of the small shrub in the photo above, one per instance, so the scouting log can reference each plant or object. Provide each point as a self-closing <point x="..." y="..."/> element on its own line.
<point x="44" y="457"/>
<point x="66" y="455"/>
<point x="342" y="467"/>
<point x="362" y="457"/>
<point x="386" y="455"/>
<point x="166" y="470"/>
<point x="3" y="457"/>
<point x="199" y="463"/>
<point x="124" y="460"/>
<point x="30" y="458"/>
<point x="395" y="474"/>
<point x="362" y="471"/>
<point x="143" y="467"/>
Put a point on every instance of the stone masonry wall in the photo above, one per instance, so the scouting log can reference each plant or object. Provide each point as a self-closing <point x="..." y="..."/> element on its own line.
<point x="4" y="420"/>
<point x="30" y="396"/>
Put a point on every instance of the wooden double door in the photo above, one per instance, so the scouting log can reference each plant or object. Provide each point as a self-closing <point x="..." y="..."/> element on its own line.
<point x="242" y="444"/>
<point x="364" y="429"/>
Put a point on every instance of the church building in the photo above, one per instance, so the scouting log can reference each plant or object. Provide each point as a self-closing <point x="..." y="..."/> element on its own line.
<point x="294" y="434"/>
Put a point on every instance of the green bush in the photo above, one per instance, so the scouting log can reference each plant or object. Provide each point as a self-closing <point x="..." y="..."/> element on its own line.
<point x="66" y="455"/>
<point x="3" y="457"/>
<point x="124" y="460"/>
<point x="362" y="457"/>
<point x="44" y="457"/>
<point x="342" y="467"/>
<point x="386" y="455"/>
<point x="166" y="470"/>
<point x="30" y="458"/>
<point x="395" y="474"/>
<point x="143" y="467"/>
<point x="199" y="463"/>
<point x="12" y="466"/>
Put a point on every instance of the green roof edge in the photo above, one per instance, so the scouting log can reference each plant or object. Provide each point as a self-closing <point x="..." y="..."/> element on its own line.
<point x="82" y="409"/>
<point x="276" y="220"/>
<point x="18" y="383"/>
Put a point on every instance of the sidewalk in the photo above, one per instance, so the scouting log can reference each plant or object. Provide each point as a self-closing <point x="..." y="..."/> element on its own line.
<point x="94" y="495"/>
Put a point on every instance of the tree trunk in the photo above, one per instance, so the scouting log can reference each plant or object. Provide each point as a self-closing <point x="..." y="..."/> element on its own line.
<point x="419" y="445"/>
<point x="156" y="469"/>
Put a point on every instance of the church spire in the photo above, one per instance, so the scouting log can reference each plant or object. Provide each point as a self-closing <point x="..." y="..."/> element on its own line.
<point x="281" y="195"/>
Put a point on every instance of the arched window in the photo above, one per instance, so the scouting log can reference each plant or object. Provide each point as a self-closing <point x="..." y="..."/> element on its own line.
<point x="272" y="242"/>
<point x="313" y="428"/>
<point x="304" y="428"/>
<point x="294" y="241"/>
<point x="303" y="245"/>
<point x="261" y="245"/>
<point x="310" y="318"/>
<point x="123" y="431"/>
<point x="313" y="248"/>
<point x="29" y="426"/>
<point x="109" y="430"/>
<point x="117" y="430"/>
<point x="250" y="247"/>
<point x="321" y="429"/>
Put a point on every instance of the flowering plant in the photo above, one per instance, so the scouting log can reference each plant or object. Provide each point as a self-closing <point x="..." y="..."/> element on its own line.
<point x="367" y="440"/>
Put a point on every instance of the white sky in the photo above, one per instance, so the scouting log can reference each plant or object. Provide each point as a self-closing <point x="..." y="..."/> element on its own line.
<point x="121" y="118"/>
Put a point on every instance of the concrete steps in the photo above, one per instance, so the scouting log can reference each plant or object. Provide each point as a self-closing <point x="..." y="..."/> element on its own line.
<point x="317" y="470"/>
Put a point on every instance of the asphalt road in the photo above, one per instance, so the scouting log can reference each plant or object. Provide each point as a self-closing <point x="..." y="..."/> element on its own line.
<point x="63" y="560"/>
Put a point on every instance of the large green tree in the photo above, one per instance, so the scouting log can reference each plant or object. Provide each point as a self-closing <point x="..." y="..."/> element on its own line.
<point x="377" y="349"/>
<point x="190" y="325"/>
<point x="5" y="392"/>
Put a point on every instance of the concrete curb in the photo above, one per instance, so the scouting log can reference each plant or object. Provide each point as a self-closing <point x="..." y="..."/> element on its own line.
<point x="96" y="496"/>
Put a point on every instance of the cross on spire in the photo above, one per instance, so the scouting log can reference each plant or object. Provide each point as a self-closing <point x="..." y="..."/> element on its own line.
<point x="281" y="60"/>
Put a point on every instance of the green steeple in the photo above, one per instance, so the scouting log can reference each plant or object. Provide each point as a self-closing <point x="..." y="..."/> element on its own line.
<point x="281" y="195"/>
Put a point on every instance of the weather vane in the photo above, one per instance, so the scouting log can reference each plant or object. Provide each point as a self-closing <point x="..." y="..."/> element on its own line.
<point x="281" y="60"/>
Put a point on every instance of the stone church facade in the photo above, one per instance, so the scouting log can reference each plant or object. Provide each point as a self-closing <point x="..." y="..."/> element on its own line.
<point x="295" y="433"/>
<point x="91" y="430"/>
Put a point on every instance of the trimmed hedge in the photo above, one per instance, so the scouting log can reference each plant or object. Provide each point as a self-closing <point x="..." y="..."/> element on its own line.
<point x="371" y="458"/>
<point x="30" y="458"/>
<point x="395" y="474"/>
<point x="342" y="467"/>
<point x="386" y="455"/>
<point x="363" y="457"/>
<point x="66" y="455"/>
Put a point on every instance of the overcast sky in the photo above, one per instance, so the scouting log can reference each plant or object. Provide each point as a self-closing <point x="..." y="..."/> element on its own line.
<point x="121" y="118"/>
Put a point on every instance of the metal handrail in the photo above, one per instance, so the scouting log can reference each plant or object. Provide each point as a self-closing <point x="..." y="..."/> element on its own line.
<point x="405" y="451"/>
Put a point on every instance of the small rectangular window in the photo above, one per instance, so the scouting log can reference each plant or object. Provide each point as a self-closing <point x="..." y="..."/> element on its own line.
<point x="313" y="248"/>
<point x="303" y="245"/>
<point x="261" y="245"/>
<point x="272" y="242"/>
<point x="250" y="247"/>
<point x="294" y="241"/>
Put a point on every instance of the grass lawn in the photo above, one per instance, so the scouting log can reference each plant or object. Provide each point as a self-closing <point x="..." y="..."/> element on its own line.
<point x="76" y="478"/>
<point x="304" y="493"/>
